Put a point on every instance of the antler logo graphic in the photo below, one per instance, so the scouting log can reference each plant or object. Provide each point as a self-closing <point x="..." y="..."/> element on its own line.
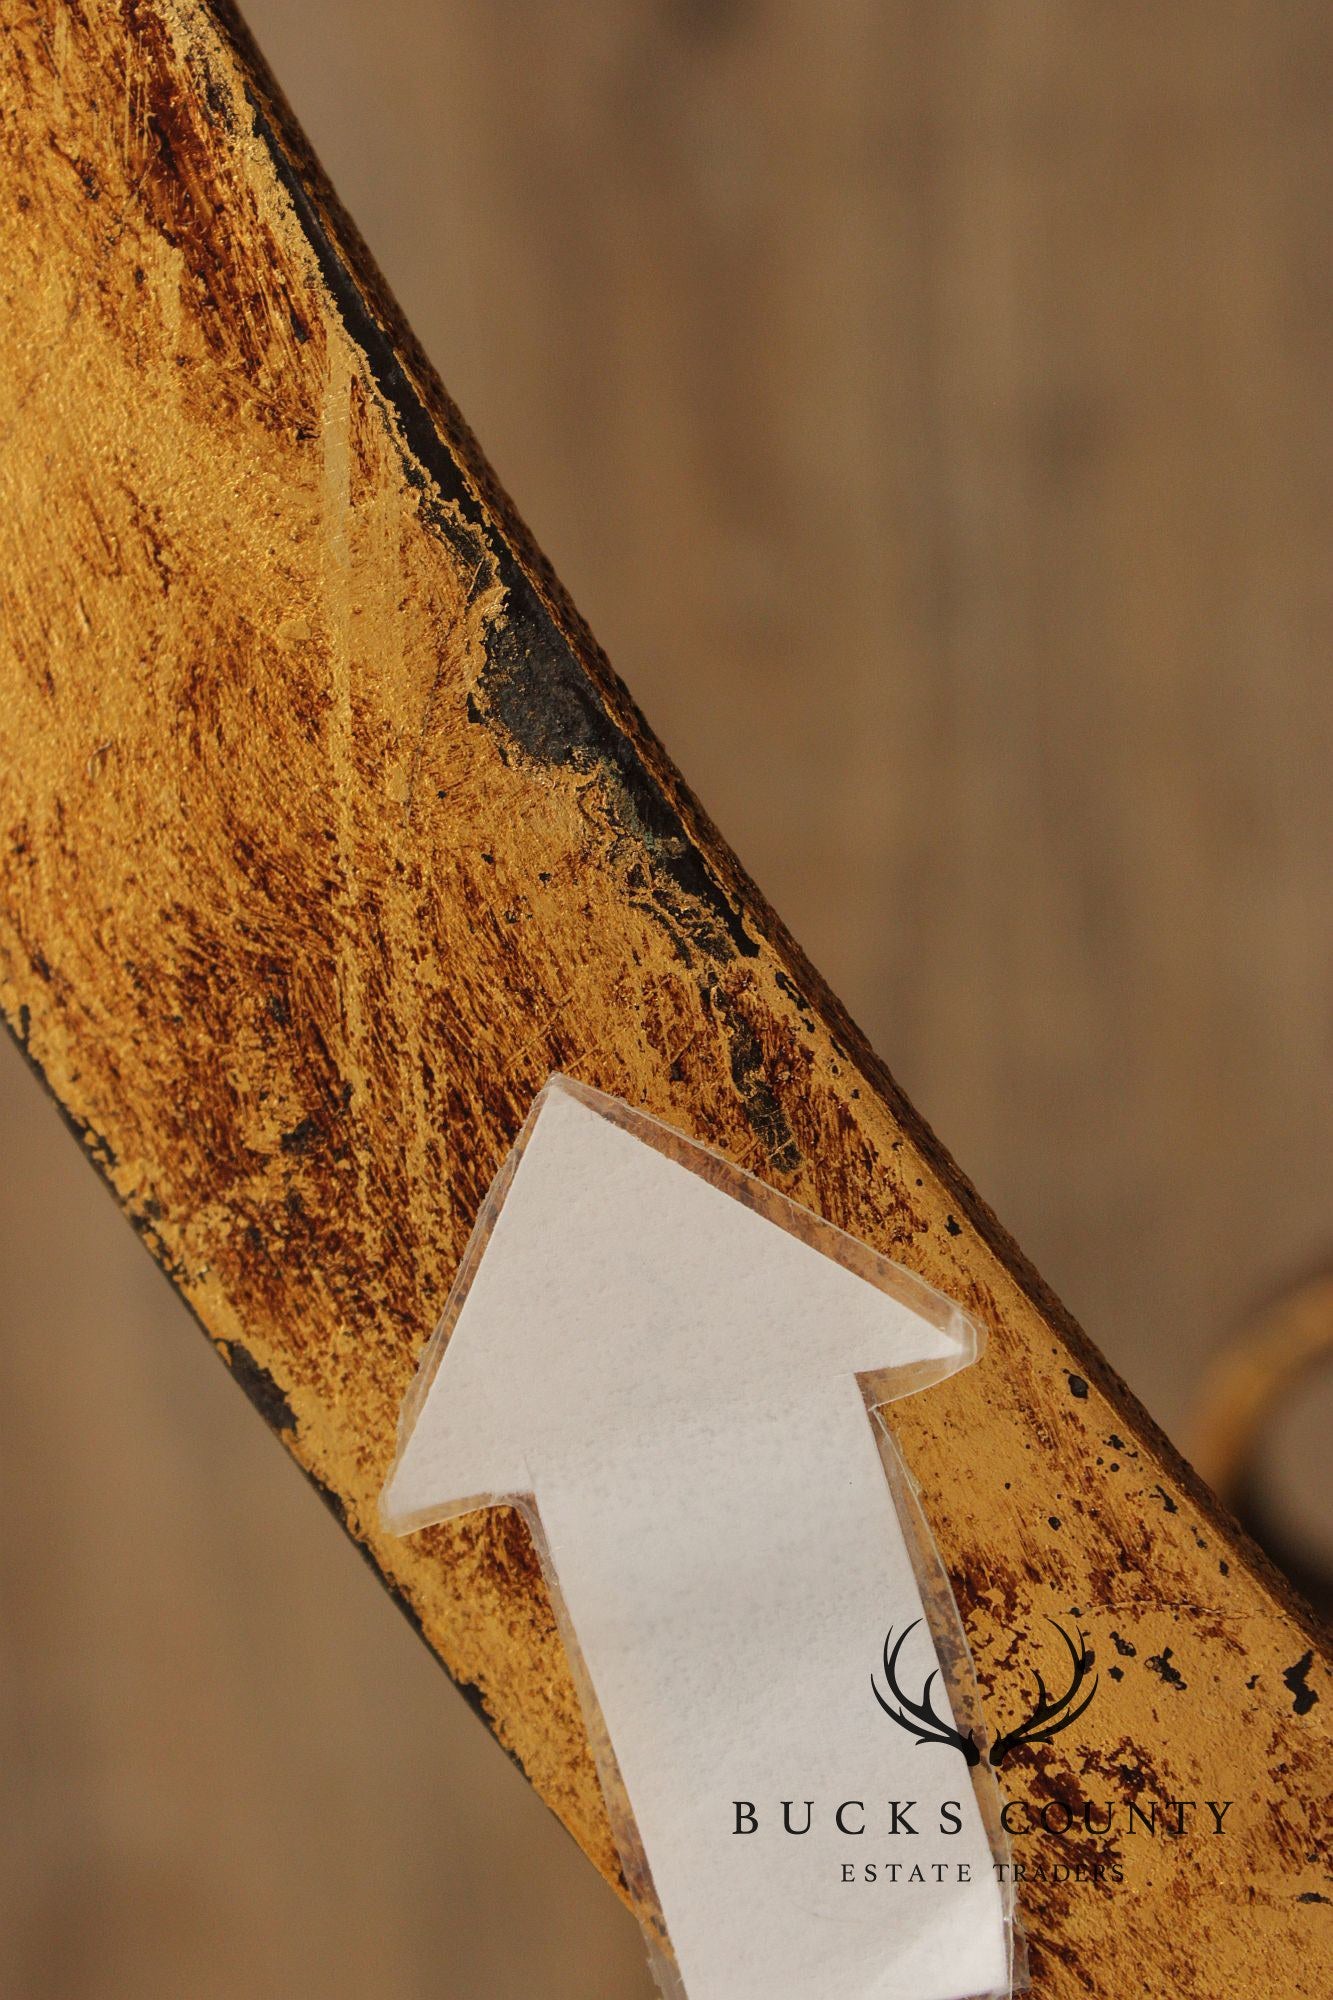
<point x="927" y="1726"/>
<point x="1046" y="1719"/>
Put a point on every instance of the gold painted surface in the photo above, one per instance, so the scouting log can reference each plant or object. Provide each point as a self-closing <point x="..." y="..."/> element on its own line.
<point x="314" y="874"/>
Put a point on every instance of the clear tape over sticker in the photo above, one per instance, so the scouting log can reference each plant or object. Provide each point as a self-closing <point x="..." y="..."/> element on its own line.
<point x="960" y="1680"/>
<point x="607" y="1314"/>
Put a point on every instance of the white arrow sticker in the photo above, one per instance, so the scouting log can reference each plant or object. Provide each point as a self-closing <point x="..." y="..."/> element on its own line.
<point x="663" y="1355"/>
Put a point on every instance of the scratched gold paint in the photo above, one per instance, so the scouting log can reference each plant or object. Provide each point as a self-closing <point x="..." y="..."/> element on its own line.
<point x="330" y="835"/>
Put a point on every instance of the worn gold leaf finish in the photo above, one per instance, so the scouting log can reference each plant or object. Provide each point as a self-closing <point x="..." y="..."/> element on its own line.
<point x="329" y="834"/>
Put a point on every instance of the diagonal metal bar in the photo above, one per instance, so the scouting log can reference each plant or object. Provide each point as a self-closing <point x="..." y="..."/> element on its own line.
<point x="329" y="833"/>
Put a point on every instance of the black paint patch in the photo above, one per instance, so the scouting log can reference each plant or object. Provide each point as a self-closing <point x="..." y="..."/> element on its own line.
<point x="762" y="1105"/>
<point x="476" y="1701"/>
<point x="97" y="1146"/>
<point x="144" y="1223"/>
<point x="538" y="694"/>
<point x="270" y="1400"/>
<point x="1078" y="1387"/>
<point x="789" y="987"/>
<point x="532" y="687"/>
<point x="1161" y="1665"/>
<point x="301" y="1137"/>
<point x="1297" y="1681"/>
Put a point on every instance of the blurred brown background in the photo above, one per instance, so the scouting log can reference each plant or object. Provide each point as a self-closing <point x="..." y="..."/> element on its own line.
<point x="926" y="403"/>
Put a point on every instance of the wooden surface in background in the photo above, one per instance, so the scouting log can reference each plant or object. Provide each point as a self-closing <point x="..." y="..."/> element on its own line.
<point x="1029" y="573"/>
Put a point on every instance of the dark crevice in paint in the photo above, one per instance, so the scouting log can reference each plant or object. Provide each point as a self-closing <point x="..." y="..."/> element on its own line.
<point x="763" y="1107"/>
<point x="1297" y="1681"/>
<point x="266" y="1395"/>
<point x="532" y="685"/>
